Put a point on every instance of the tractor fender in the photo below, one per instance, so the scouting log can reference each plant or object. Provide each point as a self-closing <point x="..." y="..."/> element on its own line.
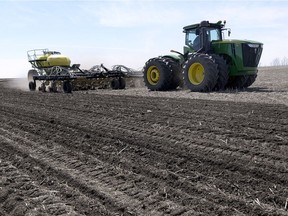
<point x="177" y="58"/>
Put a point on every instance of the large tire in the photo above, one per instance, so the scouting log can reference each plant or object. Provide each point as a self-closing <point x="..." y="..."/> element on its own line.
<point x="237" y="82"/>
<point x="157" y="74"/>
<point x="200" y="73"/>
<point x="223" y="74"/>
<point x="250" y="80"/>
<point x="176" y="78"/>
<point x="67" y="87"/>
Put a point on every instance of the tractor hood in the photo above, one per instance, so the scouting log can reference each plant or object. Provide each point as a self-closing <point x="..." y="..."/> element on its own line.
<point x="236" y="41"/>
<point x="244" y="53"/>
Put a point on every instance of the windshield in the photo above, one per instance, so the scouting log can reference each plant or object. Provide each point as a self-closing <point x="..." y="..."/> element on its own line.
<point x="212" y="33"/>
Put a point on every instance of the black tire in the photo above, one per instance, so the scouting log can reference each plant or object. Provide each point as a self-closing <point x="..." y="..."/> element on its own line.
<point x="176" y="78"/>
<point x="237" y="82"/>
<point x="200" y="73"/>
<point x="67" y="87"/>
<point x="122" y="83"/>
<point x="115" y="84"/>
<point x="250" y="80"/>
<point x="223" y="74"/>
<point x="157" y="74"/>
<point x="32" y="86"/>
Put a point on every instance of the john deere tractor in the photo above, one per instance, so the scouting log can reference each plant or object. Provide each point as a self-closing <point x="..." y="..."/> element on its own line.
<point x="208" y="63"/>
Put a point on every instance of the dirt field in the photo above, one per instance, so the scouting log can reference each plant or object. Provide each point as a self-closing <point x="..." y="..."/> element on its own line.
<point x="135" y="152"/>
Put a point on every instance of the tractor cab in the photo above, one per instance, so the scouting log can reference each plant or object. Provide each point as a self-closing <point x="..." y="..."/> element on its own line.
<point x="199" y="36"/>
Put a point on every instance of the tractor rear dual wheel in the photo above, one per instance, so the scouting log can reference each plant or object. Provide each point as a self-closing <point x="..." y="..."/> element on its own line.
<point x="200" y="73"/>
<point x="176" y="78"/>
<point x="161" y="74"/>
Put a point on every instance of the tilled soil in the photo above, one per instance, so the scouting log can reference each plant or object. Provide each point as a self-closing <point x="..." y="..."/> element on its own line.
<point x="95" y="153"/>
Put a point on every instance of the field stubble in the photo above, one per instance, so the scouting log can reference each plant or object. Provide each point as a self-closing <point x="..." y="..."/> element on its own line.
<point x="136" y="152"/>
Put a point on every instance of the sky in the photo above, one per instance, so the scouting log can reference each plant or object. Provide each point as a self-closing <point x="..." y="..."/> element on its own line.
<point x="129" y="32"/>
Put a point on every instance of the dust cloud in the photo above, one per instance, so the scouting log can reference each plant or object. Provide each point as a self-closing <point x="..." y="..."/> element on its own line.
<point x="18" y="83"/>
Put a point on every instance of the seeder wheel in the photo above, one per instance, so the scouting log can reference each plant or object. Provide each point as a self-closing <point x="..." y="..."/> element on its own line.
<point x="32" y="86"/>
<point x="115" y="84"/>
<point x="119" y="83"/>
<point x="67" y="87"/>
<point x="122" y="83"/>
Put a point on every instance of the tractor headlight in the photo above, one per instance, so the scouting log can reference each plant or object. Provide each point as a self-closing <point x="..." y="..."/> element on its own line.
<point x="254" y="45"/>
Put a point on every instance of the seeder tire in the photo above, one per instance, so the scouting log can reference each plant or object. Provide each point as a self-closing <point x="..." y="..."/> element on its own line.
<point x="115" y="84"/>
<point x="67" y="87"/>
<point x="122" y="83"/>
<point x="32" y="86"/>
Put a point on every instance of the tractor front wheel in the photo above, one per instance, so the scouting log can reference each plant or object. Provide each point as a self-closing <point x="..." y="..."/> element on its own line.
<point x="200" y="73"/>
<point x="250" y="80"/>
<point x="240" y="82"/>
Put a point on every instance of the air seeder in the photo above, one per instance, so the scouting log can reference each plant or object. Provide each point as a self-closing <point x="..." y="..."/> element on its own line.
<point x="208" y="63"/>
<point x="55" y="71"/>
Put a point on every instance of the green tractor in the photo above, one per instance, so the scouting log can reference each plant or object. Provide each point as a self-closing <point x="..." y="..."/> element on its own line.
<point x="209" y="62"/>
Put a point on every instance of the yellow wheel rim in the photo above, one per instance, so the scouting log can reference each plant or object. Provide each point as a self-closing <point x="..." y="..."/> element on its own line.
<point x="153" y="75"/>
<point x="196" y="73"/>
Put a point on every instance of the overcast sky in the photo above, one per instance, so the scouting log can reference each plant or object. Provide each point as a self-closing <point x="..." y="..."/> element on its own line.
<point x="129" y="32"/>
